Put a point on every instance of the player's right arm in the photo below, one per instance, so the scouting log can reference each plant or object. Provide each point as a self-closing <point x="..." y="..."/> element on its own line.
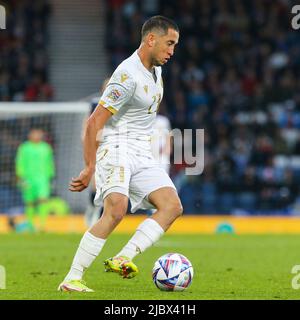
<point x="117" y="93"/>
<point x="94" y="124"/>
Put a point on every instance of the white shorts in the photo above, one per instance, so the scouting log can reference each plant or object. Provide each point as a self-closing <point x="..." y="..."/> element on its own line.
<point x="132" y="172"/>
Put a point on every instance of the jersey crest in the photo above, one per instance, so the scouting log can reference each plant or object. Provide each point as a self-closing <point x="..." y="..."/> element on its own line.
<point x="124" y="77"/>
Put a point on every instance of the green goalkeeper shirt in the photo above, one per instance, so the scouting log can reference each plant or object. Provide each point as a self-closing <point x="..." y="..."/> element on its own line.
<point x="35" y="161"/>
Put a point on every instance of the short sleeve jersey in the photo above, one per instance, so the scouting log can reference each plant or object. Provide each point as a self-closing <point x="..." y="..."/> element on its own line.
<point x="133" y="96"/>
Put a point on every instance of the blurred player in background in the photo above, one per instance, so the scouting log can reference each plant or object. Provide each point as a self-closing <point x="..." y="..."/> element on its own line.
<point x="161" y="144"/>
<point x="124" y="163"/>
<point x="34" y="170"/>
<point x="93" y="212"/>
<point x="161" y="141"/>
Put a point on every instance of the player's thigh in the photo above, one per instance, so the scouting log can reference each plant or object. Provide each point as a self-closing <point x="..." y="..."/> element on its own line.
<point x="116" y="203"/>
<point x="112" y="174"/>
<point x="42" y="189"/>
<point x="153" y="181"/>
<point x="28" y="191"/>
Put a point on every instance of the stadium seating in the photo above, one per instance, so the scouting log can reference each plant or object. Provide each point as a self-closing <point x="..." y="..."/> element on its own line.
<point x="235" y="74"/>
<point x="23" y="52"/>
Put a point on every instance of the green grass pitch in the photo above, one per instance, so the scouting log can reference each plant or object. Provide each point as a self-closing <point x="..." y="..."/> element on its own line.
<point x="226" y="267"/>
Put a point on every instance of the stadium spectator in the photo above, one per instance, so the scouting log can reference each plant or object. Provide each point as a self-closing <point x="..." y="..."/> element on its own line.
<point x="23" y="52"/>
<point x="23" y="77"/>
<point x="235" y="74"/>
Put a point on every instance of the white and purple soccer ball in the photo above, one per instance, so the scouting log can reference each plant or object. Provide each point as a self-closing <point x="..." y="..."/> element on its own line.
<point x="172" y="272"/>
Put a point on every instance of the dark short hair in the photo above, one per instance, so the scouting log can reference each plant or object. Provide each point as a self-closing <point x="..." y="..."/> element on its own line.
<point x="158" y="23"/>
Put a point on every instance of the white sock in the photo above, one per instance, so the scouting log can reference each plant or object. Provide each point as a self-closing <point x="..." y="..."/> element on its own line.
<point x="89" y="248"/>
<point x="147" y="233"/>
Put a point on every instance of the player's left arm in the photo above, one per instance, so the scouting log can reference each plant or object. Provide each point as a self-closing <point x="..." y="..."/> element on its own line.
<point x="168" y="146"/>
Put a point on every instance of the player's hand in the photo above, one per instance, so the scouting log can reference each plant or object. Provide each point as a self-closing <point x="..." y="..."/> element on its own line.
<point x="82" y="181"/>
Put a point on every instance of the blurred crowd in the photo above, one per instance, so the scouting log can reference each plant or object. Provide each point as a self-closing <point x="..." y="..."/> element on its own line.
<point x="23" y="52"/>
<point x="235" y="73"/>
<point x="23" y="77"/>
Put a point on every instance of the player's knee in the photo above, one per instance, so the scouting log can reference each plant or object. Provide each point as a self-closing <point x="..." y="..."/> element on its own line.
<point x="116" y="212"/>
<point x="178" y="209"/>
<point x="116" y="207"/>
<point x="117" y="216"/>
<point x="174" y="207"/>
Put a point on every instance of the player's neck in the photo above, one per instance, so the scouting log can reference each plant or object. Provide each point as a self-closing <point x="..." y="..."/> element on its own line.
<point x="145" y="59"/>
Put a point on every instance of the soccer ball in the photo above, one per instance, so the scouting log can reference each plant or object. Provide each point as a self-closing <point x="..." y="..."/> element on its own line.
<point x="172" y="272"/>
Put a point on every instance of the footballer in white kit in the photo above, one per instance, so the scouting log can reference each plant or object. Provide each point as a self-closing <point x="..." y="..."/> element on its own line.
<point x="125" y="161"/>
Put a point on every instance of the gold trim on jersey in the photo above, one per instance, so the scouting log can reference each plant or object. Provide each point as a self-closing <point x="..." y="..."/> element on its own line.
<point x="122" y="178"/>
<point x="103" y="153"/>
<point x="146" y="89"/>
<point x="156" y="100"/>
<point x="112" y="110"/>
<point x="110" y="174"/>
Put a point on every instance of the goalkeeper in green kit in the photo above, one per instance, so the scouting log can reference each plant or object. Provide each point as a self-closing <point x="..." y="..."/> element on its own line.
<point x="34" y="170"/>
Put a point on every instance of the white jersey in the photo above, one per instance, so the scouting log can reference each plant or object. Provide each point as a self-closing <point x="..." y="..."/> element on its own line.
<point x="133" y="96"/>
<point x="124" y="160"/>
